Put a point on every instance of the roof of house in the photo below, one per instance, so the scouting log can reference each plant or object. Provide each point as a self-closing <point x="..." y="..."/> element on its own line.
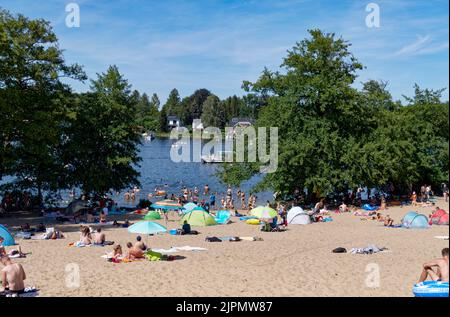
<point x="235" y="121"/>
<point x="171" y="118"/>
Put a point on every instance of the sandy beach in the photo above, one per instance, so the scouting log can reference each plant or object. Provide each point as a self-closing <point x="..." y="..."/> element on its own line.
<point x="297" y="262"/>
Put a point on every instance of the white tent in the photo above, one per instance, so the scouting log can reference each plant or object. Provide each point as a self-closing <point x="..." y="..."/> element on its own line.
<point x="297" y="216"/>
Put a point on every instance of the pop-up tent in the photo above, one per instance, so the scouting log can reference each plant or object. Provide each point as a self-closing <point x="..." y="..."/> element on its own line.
<point x="439" y="217"/>
<point x="297" y="216"/>
<point x="199" y="217"/>
<point x="413" y="220"/>
<point x="223" y="217"/>
<point x="6" y="235"/>
<point x="152" y="215"/>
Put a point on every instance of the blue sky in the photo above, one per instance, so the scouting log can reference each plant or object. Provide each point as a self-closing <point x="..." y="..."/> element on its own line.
<point x="216" y="44"/>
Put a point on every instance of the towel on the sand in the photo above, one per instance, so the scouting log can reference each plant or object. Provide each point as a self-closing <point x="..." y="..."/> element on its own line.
<point x="30" y="291"/>
<point x="442" y="237"/>
<point x="231" y="239"/>
<point x="370" y="249"/>
<point x="251" y="238"/>
<point x="179" y="249"/>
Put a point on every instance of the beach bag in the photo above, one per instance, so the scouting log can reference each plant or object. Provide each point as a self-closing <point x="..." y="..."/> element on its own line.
<point x="340" y="250"/>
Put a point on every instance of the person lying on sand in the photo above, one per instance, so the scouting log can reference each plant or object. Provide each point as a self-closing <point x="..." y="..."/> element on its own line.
<point x="99" y="237"/>
<point x="441" y="269"/>
<point x="133" y="252"/>
<point x="139" y="244"/>
<point x="13" y="276"/>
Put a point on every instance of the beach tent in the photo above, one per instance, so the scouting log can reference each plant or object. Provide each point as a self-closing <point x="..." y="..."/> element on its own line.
<point x="223" y="217"/>
<point x="439" y="217"/>
<point x="409" y="216"/>
<point x="152" y="215"/>
<point x="297" y="216"/>
<point x="415" y="221"/>
<point x="76" y="206"/>
<point x="6" y="235"/>
<point x="199" y="217"/>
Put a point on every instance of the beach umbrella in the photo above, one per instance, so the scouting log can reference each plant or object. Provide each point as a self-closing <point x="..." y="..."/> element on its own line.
<point x="263" y="212"/>
<point x="147" y="227"/>
<point x="152" y="215"/>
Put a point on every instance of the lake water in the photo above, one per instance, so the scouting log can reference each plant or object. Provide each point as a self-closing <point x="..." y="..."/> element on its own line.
<point x="158" y="170"/>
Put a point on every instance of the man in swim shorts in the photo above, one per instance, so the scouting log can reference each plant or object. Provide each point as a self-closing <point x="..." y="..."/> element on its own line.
<point x="12" y="276"/>
<point x="441" y="272"/>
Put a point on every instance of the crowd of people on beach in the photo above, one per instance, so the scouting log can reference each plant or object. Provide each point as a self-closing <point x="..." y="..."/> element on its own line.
<point x="13" y="274"/>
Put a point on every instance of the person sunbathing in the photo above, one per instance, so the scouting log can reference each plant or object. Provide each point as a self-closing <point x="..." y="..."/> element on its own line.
<point x="186" y="228"/>
<point x="99" y="237"/>
<point x="343" y="208"/>
<point x="388" y="221"/>
<point x="139" y="244"/>
<point x="12" y="275"/>
<point x="133" y="252"/>
<point x="441" y="269"/>
<point x="85" y="237"/>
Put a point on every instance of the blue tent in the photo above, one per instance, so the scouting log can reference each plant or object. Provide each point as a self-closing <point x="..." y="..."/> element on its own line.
<point x="9" y="240"/>
<point x="409" y="216"/>
<point x="223" y="217"/>
<point x="413" y="220"/>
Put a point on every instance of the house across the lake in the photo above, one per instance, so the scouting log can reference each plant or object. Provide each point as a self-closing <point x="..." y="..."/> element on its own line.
<point x="173" y="122"/>
<point x="241" y="122"/>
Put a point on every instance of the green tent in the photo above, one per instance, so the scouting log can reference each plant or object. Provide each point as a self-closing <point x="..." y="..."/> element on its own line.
<point x="152" y="215"/>
<point x="199" y="218"/>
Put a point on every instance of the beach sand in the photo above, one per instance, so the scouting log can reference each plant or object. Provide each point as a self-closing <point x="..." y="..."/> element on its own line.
<point x="298" y="262"/>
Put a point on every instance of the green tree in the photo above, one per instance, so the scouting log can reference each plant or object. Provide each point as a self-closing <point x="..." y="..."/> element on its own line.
<point x="213" y="113"/>
<point x="314" y="107"/>
<point x="33" y="102"/>
<point x="192" y="106"/>
<point x="102" y="147"/>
